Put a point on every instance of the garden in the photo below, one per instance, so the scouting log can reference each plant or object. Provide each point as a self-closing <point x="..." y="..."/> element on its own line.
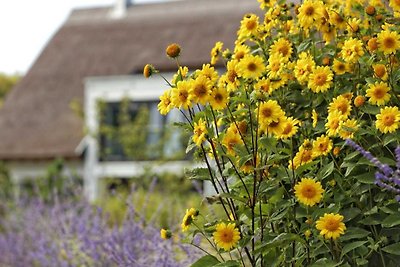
<point x="296" y="128"/>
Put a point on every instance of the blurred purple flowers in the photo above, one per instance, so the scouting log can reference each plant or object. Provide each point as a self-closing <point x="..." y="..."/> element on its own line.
<point x="386" y="177"/>
<point x="76" y="233"/>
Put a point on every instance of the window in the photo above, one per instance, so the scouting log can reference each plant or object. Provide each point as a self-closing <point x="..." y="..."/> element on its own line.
<point x="136" y="131"/>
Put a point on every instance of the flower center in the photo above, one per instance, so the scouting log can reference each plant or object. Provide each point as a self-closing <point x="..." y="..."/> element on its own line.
<point x="183" y="95"/>
<point x="389" y="42"/>
<point x="308" y="192"/>
<point x="218" y="97"/>
<point x="284" y="50"/>
<point x="309" y="11"/>
<point x="379" y="93"/>
<point x="388" y="120"/>
<point x="251" y="66"/>
<point x="267" y="112"/>
<point x="250" y="25"/>
<point x="342" y="107"/>
<point x="332" y="225"/>
<point x="320" y="79"/>
<point x="232" y="76"/>
<point x="227" y="236"/>
<point x="200" y="90"/>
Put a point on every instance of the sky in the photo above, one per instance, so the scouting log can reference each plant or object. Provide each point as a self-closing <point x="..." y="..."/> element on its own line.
<point x="27" y="25"/>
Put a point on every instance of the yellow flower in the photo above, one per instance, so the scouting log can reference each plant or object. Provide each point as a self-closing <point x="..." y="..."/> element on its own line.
<point x="334" y="121"/>
<point x="251" y="67"/>
<point x="200" y="89"/>
<point x="199" y="132"/>
<point x="395" y="4"/>
<point x="281" y="47"/>
<point x="219" y="98"/>
<point x="352" y="50"/>
<point x="341" y="104"/>
<point x="339" y="67"/>
<point x="388" y="41"/>
<point x="240" y="51"/>
<point x="310" y="12"/>
<point x="181" y="97"/>
<point x="348" y="128"/>
<point x="269" y="111"/>
<point x="378" y="93"/>
<point x="187" y="220"/>
<point x="303" y="156"/>
<point x="289" y="128"/>
<point x="264" y="85"/>
<point x="337" y="20"/>
<point x="215" y="52"/>
<point x="275" y="127"/>
<point x="226" y="236"/>
<point x="308" y="192"/>
<point x="331" y="225"/>
<point x="165" y="234"/>
<point x="303" y="68"/>
<point x="388" y="119"/>
<point x="230" y="140"/>
<point x="180" y="75"/>
<point x="266" y="3"/>
<point x="322" y="146"/>
<point x="353" y="25"/>
<point x="320" y="79"/>
<point x="314" y="116"/>
<point x="232" y="75"/>
<point x="208" y="71"/>
<point x="275" y="66"/>
<point x="248" y="26"/>
<point x="165" y="104"/>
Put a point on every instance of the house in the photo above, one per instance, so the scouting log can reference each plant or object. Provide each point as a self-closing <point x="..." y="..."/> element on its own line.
<point x="99" y="54"/>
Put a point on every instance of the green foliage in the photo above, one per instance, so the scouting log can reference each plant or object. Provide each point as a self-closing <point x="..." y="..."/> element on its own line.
<point x="7" y="82"/>
<point x="287" y="111"/>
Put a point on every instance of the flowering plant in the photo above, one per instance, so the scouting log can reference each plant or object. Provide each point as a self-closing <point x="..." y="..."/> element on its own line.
<point x="271" y="128"/>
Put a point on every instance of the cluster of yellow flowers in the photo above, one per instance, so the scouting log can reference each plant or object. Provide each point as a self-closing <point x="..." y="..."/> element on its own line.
<point x="309" y="76"/>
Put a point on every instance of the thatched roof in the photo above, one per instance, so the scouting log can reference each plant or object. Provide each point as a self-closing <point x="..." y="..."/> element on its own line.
<point x="36" y="121"/>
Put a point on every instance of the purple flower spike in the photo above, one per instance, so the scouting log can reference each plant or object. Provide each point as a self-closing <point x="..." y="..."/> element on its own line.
<point x="386" y="177"/>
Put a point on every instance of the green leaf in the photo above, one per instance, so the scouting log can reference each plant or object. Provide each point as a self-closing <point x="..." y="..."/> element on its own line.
<point x="304" y="45"/>
<point x="277" y="196"/>
<point x="205" y="261"/>
<point x="280" y="241"/>
<point x="326" y="170"/>
<point x="230" y="263"/>
<point x="349" y="247"/>
<point x="350" y="213"/>
<point x="354" y="233"/>
<point x="392" y="249"/>
<point x="391" y="220"/>
<point x="324" y="263"/>
<point x="390" y="139"/>
<point x="201" y="174"/>
<point x="365" y="178"/>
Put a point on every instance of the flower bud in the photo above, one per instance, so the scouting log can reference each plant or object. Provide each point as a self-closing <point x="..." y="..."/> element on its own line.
<point x="173" y="50"/>
<point x="359" y="101"/>
<point x="165" y="234"/>
<point x="148" y="70"/>
<point x="370" y="10"/>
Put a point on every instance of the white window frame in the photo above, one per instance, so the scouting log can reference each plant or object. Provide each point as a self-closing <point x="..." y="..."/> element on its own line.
<point x="114" y="89"/>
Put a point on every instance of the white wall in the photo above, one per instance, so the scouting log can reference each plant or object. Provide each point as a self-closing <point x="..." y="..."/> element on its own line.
<point x="113" y="89"/>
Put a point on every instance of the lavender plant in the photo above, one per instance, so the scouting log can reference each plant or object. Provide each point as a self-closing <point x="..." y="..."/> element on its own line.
<point x="76" y="233"/>
<point x="385" y="177"/>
